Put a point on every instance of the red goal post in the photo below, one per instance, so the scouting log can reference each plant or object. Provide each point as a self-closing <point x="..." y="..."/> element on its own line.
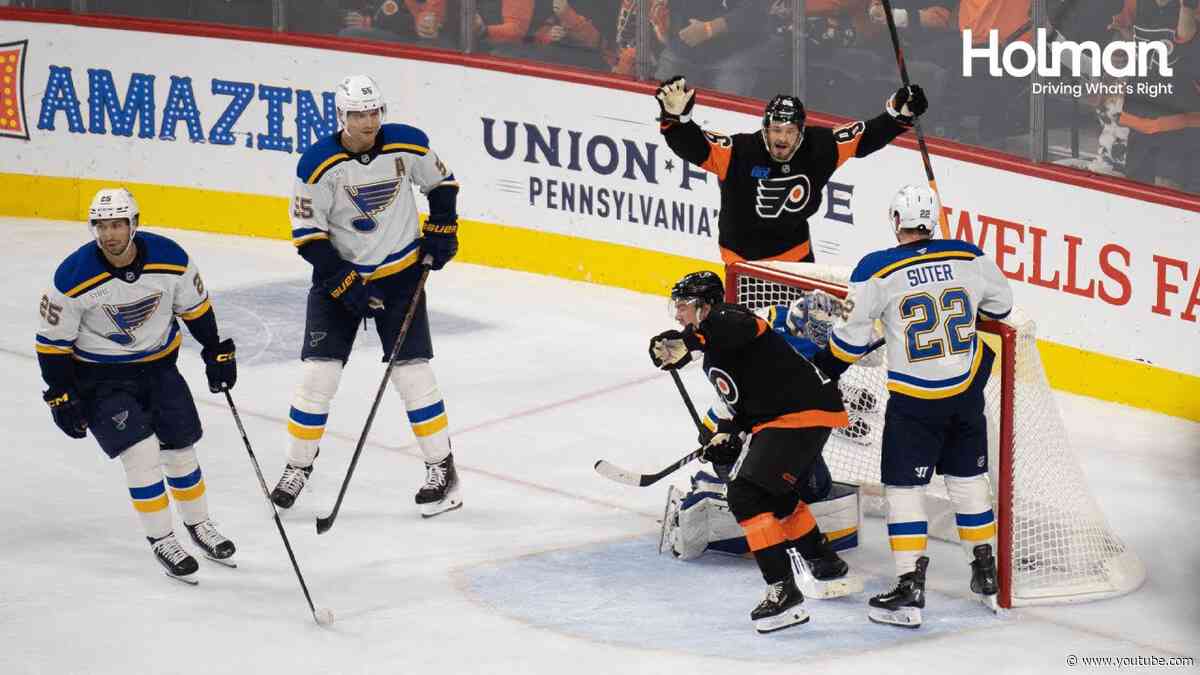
<point x="1054" y="545"/>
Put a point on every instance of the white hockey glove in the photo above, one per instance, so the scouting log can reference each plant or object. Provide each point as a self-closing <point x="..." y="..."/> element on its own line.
<point x="675" y="100"/>
<point x="672" y="349"/>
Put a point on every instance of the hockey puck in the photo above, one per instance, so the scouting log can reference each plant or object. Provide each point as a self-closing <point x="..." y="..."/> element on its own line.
<point x="323" y="616"/>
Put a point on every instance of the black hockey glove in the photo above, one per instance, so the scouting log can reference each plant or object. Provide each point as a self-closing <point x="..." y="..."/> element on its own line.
<point x="220" y="365"/>
<point x="67" y="409"/>
<point x="673" y="349"/>
<point x="907" y="104"/>
<point x="440" y="242"/>
<point x="724" y="426"/>
<point x="724" y="448"/>
<point x="675" y="100"/>
<point x="348" y="286"/>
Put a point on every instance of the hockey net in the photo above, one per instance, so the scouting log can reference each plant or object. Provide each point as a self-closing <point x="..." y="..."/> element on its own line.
<point x="1054" y="544"/>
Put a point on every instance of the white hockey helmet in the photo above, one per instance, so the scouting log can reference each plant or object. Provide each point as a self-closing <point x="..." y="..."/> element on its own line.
<point x="113" y="203"/>
<point x="915" y="207"/>
<point x="358" y="93"/>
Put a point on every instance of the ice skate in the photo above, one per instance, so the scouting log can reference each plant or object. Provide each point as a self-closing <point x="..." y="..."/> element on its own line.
<point x="290" y="484"/>
<point x="826" y="576"/>
<point x="780" y="609"/>
<point x="903" y="604"/>
<point x="440" y="491"/>
<point x="983" y="577"/>
<point x="177" y="562"/>
<point x="216" y="546"/>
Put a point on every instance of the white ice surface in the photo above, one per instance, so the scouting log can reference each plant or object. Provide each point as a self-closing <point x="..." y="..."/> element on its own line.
<point x="548" y="568"/>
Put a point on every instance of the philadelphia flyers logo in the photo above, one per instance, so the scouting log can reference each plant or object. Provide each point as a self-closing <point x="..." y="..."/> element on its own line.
<point x="725" y="386"/>
<point x="787" y="193"/>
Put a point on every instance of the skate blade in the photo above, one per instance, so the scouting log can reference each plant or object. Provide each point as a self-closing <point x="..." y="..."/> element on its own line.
<point x="226" y="562"/>
<point x="792" y="617"/>
<point x="904" y="617"/>
<point x="812" y="587"/>
<point x="450" y="503"/>
<point x="183" y="580"/>
<point x="992" y="602"/>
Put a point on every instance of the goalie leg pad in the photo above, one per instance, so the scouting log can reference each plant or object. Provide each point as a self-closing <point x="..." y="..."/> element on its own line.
<point x="415" y="382"/>
<point x="186" y="483"/>
<point x="310" y="408"/>
<point x="143" y="475"/>
<point x="700" y="521"/>
<point x="839" y="516"/>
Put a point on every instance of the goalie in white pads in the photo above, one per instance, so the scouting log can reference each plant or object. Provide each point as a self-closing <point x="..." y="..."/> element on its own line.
<point x="107" y="346"/>
<point x="354" y="219"/>
<point x="927" y="294"/>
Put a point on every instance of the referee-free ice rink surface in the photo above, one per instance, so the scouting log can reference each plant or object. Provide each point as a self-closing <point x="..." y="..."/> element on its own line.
<point x="548" y="568"/>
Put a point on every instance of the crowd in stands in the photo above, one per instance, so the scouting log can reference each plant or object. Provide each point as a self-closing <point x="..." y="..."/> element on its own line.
<point x="745" y="47"/>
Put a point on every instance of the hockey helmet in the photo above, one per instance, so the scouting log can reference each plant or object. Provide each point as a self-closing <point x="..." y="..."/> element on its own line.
<point x="915" y="207"/>
<point x="358" y="93"/>
<point x="113" y="203"/>
<point x="784" y="109"/>
<point x="705" y="286"/>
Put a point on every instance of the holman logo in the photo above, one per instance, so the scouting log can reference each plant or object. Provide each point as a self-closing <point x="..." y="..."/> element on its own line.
<point x="1119" y="58"/>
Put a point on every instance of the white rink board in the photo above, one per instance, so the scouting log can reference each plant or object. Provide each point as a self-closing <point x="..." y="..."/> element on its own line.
<point x="1113" y="240"/>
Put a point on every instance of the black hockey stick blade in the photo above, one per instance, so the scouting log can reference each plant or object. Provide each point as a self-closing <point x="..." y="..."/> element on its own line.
<point x="615" y="473"/>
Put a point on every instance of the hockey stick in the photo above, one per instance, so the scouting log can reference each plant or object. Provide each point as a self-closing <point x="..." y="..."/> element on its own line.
<point x="891" y="23"/>
<point x="687" y="400"/>
<point x="319" y="618"/>
<point x="613" y="472"/>
<point x="323" y="524"/>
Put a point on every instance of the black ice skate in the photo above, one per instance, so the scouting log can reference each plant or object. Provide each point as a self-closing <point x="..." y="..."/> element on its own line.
<point x="440" y="491"/>
<point x="780" y="609"/>
<point x="825" y="576"/>
<point x="178" y="563"/>
<point x="290" y="484"/>
<point x="983" y="576"/>
<point x="216" y="546"/>
<point x="903" y="604"/>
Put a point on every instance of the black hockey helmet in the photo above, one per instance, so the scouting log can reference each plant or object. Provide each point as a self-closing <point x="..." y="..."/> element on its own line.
<point x="784" y="109"/>
<point x="705" y="286"/>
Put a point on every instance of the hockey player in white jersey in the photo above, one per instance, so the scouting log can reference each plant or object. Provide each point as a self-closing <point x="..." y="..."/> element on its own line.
<point x="107" y="347"/>
<point x="354" y="219"/>
<point x="927" y="294"/>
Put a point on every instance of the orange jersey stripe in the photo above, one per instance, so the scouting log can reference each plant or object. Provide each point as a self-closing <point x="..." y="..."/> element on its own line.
<point x="806" y="418"/>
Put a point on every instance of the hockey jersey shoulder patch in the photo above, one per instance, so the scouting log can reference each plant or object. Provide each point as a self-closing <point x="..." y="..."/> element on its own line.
<point x="80" y="272"/>
<point x="404" y="138"/>
<point x="321" y="157"/>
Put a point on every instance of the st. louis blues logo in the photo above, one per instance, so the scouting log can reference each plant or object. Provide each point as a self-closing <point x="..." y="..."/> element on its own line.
<point x="371" y="199"/>
<point x="130" y="317"/>
<point x="776" y="195"/>
<point x="725" y="386"/>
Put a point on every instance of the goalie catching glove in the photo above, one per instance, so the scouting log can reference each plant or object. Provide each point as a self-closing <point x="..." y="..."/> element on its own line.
<point x="673" y="349"/>
<point x="675" y="100"/>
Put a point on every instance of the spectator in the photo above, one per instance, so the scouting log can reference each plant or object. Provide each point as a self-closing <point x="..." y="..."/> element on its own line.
<point x="1164" y="128"/>
<point x="721" y="44"/>
<point x="622" y="47"/>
